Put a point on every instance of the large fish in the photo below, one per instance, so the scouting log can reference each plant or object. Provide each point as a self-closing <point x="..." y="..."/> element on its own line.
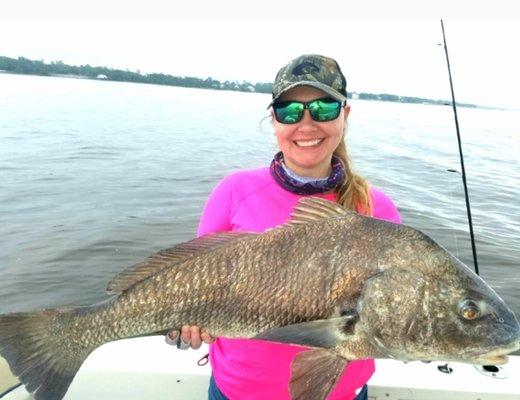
<point x="348" y="286"/>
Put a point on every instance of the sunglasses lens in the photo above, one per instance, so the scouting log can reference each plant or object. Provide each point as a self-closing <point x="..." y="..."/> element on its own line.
<point x="324" y="109"/>
<point x="321" y="110"/>
<point x="288" y="112"/>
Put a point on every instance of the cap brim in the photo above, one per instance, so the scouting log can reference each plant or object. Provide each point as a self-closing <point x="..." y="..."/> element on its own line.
<point x="318" y="85"/>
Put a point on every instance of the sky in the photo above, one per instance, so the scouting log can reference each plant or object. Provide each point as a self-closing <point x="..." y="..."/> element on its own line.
<point x="397" y="54"/>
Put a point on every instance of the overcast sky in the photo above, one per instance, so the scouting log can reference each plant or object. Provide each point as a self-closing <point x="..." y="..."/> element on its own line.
<point x="379" y="56"/>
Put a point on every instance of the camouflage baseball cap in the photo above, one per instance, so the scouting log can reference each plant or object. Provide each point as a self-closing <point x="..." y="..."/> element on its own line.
<point x="313" y="70"/>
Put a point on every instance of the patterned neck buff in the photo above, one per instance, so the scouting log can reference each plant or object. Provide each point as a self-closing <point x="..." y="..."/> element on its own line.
<point x="306" y="185"/>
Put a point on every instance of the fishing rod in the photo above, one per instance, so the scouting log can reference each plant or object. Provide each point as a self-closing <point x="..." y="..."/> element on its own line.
<point x="454" y="105"/>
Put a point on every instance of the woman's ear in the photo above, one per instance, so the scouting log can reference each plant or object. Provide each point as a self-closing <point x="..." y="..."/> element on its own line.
<point x="347" y="111"/>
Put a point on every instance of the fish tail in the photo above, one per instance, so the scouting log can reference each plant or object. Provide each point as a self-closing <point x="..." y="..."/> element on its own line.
<point x="42" y="359"/>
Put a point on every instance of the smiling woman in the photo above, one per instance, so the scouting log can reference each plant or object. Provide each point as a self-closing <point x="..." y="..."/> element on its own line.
<point x="309" y="111"/>
<point x="307" y="145"/>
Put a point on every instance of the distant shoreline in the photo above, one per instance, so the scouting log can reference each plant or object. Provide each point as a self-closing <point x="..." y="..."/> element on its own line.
<point x="24" y="66"/>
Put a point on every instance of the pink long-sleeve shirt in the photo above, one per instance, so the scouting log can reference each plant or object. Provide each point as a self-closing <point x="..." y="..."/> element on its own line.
<point x="252" y="201"/>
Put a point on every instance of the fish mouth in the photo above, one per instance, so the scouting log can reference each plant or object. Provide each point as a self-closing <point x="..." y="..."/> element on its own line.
<point x="493" y="360"/>
<point x="496" y="356"/>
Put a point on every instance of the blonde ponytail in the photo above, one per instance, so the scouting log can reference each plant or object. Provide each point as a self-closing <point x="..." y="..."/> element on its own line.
<point x="354" y="192"/>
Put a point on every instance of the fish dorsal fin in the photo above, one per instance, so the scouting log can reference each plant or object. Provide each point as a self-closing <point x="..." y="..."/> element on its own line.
<point x="311" y="209"/>
<point x="168" y="257"/>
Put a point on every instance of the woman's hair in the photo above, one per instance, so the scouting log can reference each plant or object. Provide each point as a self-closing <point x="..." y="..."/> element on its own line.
<point x="354" y="192"/>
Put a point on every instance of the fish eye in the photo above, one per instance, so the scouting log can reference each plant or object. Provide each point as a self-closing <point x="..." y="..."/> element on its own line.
<point x="469" y="310"/>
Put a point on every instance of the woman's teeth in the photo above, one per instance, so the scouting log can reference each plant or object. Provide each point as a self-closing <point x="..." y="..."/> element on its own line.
<point x="307" y="143"/>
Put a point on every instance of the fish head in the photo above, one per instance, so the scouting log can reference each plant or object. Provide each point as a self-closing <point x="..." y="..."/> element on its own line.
<point x="481" y="328"/>
<point x="430" y="306"/>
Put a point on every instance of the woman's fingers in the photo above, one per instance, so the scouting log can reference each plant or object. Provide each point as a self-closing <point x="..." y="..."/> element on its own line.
<point x="207" y="338"/>
<point x="195" y="337"/>
<point x="185" y="340"/>
<point x="189" y="336"/>
<point x="186" y="334"/>
<point x="172" y="337"/>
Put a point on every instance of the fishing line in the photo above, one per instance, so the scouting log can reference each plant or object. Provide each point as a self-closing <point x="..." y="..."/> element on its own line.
<point x="463" y="170"/>
<point x="262" y="125"/>
<point x="452" y="191"/>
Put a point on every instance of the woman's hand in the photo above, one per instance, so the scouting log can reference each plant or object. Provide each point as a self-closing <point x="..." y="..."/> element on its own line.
<point x="190" y="336"/>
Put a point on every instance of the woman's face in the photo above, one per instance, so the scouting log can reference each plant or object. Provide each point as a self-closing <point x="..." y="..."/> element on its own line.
<point x="308" y="145"/>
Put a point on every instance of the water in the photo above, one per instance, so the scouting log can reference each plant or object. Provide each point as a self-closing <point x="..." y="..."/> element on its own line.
<point x="97" y="175"/>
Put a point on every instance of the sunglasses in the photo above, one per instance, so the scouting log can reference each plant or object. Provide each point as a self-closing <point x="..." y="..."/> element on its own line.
<point x="321" y="110"/>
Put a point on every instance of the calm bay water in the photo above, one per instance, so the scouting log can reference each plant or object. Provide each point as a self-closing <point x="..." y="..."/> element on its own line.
<point x="94" y="176"/>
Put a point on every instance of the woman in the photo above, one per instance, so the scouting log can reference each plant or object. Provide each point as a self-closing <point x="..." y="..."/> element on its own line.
<point x="310" y="112"/>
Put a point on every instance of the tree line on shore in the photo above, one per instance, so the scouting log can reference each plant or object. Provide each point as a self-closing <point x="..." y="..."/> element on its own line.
<point x="23" y="65"/>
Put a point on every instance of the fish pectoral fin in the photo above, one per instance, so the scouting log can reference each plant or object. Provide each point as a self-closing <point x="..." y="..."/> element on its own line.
<point x="319" y="333"/>
<point x="314" y="373"/>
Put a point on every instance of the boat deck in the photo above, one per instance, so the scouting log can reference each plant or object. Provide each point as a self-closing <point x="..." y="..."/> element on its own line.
<point x="147" y="368"/>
